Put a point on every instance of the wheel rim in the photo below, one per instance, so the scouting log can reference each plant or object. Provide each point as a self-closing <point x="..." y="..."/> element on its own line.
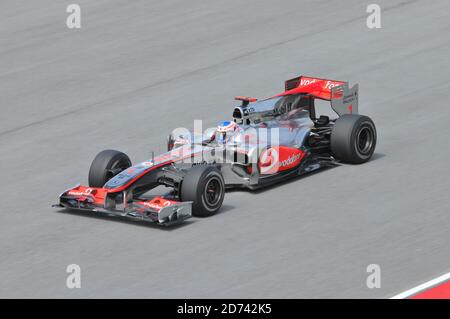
<point x="364" y="141"/>
<point x="213" y="192"/>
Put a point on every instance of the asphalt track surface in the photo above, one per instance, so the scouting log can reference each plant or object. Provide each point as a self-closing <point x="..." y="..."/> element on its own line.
<point x="137" y="69"/>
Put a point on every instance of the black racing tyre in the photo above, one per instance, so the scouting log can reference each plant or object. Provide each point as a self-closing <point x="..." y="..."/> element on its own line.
<point x="105" y="165"/>
<point x="205" y="187"/>
<point x="353" y="138"/>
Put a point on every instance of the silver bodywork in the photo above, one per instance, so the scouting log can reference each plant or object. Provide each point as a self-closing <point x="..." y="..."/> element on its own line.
<point x="263" y="130"/>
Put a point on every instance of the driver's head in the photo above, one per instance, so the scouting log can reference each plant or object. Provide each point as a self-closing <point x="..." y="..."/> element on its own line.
<point x="225" y="130"/>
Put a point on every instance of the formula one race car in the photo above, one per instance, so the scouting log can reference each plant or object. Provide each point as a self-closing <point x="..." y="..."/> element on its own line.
<point x="267" y="141"/>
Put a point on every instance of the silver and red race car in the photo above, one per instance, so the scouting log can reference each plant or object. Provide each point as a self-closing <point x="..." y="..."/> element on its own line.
<point x="267" y="141"/>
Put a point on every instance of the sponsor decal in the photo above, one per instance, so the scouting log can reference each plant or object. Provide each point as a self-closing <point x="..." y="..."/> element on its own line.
<point x="147" y="164"/>
<point x="307" y="81"/>
<point x="279" y="158"/>
<point x="157" y="203"/>
<point x="76" y="192"/>
<point x="326" y="84"/>
<point x="291" y="160"/>
<point x="349" y="98"/>
<point x="331" y="84"/>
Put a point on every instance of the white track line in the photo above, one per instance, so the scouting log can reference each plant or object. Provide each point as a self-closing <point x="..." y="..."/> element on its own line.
<point x="423" y="286"/>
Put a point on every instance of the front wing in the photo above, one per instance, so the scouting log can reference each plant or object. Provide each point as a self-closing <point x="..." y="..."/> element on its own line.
<point x="158" y="210"/>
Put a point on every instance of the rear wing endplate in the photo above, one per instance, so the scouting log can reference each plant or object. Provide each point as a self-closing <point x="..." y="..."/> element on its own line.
<point x="344" y="100"/>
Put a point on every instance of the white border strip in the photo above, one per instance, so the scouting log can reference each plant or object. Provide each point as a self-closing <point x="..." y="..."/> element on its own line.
<point x="423" y="286"/>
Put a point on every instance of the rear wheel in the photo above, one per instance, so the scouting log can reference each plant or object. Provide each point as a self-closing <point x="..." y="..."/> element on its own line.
<point x="106" y="165"/>
<point x="353" y="138"/>
<point x="205" y="187"/>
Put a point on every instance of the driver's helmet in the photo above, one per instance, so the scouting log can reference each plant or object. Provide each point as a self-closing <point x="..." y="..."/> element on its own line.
<point x="225" y="130"/>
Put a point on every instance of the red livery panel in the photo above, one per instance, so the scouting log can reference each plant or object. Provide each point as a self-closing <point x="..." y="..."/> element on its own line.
<point x="320" y="88"/>
<point x="157" y="203"/>
<point x="83" y="193"/>
<point x="279" y="158"/>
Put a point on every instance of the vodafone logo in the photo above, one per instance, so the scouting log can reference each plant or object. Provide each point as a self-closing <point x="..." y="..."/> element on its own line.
<point x="326" y="84"/>
<point x="268" y="161"/>
<point x="307" y="81"/>
<point x="292" y="159"/>
<point x="331" y="84"/>
<point x="279" y="158"/>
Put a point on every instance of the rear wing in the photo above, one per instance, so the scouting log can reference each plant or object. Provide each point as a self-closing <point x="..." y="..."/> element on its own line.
<point x="344" y="100"/>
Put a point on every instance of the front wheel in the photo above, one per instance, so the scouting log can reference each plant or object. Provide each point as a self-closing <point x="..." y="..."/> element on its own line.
<point x="106" y="165"/>
<point x="205" y="187"/>
<point x="353" y="138"/>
